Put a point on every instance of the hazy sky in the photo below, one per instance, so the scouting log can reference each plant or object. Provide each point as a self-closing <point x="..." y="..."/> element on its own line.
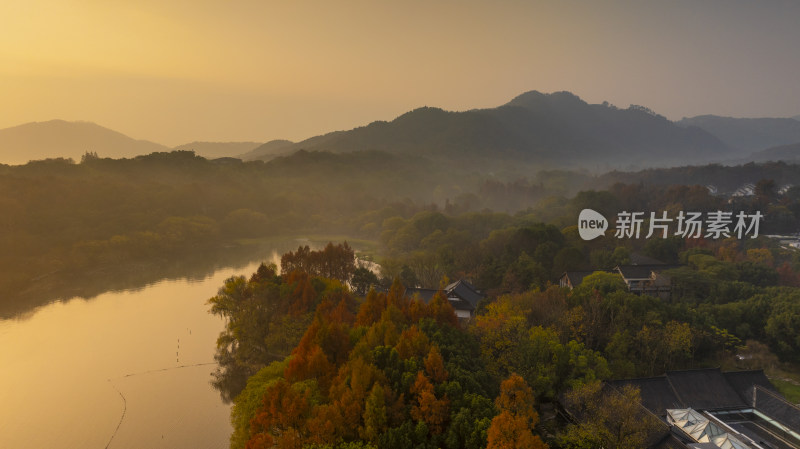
<point x="177" y="71"/>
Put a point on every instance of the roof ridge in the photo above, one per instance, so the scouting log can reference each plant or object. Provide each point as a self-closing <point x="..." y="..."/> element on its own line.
<point x="675" y="390"/>
<point x="757" y="387"/>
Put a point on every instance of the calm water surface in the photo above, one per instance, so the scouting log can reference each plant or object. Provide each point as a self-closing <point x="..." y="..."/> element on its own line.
<point x="125" y="369"/>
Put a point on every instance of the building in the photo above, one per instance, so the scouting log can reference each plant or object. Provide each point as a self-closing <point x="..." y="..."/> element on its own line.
<point x="640" y="279"/>
<point x="647" y="279"/>
<point x="462" y="295"/>
<point x="707" y="408"/>
<point x="572" y="279"/>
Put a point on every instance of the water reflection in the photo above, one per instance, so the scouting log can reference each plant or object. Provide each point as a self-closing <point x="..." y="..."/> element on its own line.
<point x="133" y="277"/>
<point x="67" y="366"/>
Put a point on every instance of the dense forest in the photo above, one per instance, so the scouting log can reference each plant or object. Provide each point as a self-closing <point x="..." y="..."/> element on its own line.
<point x="327" y="350"/>
<point x="110" y="223"/>
<point x="113" y="222"/>
<point x="311" y="363"/>
<point x="342" y="358"/>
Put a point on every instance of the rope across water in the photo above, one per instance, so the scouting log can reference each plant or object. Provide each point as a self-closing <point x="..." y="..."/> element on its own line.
<point x="125" y="401"/>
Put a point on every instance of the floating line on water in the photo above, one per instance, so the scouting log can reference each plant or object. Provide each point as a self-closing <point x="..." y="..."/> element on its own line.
<point x="125" y="401"/>
<point x="124" y="410"/>
<point x="165" y="369"/>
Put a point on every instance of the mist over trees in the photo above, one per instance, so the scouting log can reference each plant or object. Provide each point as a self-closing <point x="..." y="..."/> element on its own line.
<point x="332" y="352"/>
<point x="112" y="218"/>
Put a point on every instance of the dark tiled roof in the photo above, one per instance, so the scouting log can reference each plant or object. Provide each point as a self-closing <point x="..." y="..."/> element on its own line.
<point x="576" y="277"/>
<point x="778" y="408"/>
<point x="714" y="391"/>
<point x="704" y="389"/>
<point x="424" y="294"/>
<point x="466" y="291"/>
<point x="756" y="430"/>
<point x="460" y="304"/>
<point x="743" y="381"/>
<point x="642" y="271"/>
<point x="701" y="389"/>
<point x="656" y="393"/>
<point x="672" y="442"/>
<point x="427" y="294"/>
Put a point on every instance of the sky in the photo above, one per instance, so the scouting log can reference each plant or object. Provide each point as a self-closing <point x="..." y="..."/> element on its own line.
<point x="175" y="71"/>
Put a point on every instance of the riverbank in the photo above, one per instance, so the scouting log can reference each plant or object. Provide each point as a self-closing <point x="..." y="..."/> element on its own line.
<point x="91" y="281"/>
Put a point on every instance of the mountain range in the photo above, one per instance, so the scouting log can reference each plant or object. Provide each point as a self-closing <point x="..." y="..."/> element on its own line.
<point x="60" y="138"/>
<point x="555" y="130"/>
<point x="534" y="129"/>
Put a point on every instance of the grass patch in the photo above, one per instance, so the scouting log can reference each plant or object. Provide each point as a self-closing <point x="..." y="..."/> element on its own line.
<point x="789" y="390"/>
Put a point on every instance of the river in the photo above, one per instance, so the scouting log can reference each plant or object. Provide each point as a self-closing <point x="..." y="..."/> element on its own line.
<point x="125" y="369"/>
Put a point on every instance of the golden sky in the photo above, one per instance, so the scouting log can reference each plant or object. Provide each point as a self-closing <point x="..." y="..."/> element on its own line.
<point x="178" y="71"/>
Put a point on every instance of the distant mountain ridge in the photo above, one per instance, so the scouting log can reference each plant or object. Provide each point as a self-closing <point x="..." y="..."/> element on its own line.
<point x="268" y="150"/>
<point x="60" y="138"/>
<point x="213" y="150"/>
<point x="537" y="129"/>
<point x="557" y="129"/>
<point x="748" y="135"/>
<point x="786" y="153"/>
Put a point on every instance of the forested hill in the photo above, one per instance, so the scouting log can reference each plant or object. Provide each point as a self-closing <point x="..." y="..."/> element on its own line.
<point x="213" y="150"/>
<point x="725" y="179"/>
<point x="556" y="129"/>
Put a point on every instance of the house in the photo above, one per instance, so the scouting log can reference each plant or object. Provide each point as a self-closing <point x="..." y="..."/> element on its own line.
<point x="647" y="279"/>
<point x="462" y="295"/>
<point x="708" y="408"/>
<point x="572" y="279"/>
<point x="640" y="279"/>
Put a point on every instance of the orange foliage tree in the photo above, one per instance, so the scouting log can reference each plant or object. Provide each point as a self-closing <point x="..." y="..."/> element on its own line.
<point x="434" y="365"/>
<point x="281" y="420"/>
<point x="513" y="427"/>
<point x="434" y="412"/>
<point x="333" y="262"/>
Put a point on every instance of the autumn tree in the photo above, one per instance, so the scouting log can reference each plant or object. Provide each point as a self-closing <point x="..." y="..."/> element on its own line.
<point x="608" y="417"/>
<point x="434" y="366"/>
<point x="513" y="427"/>
<point x="441" y="310"/>
<point x="251" y="400"/>
<point x="332" y="262"/>
<point x="371" y="309"/>
<point x="413" y="343"/>
<point x="427" y="407"/>
<point x="500" y="330"/>
<point x="281" y="420"/>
